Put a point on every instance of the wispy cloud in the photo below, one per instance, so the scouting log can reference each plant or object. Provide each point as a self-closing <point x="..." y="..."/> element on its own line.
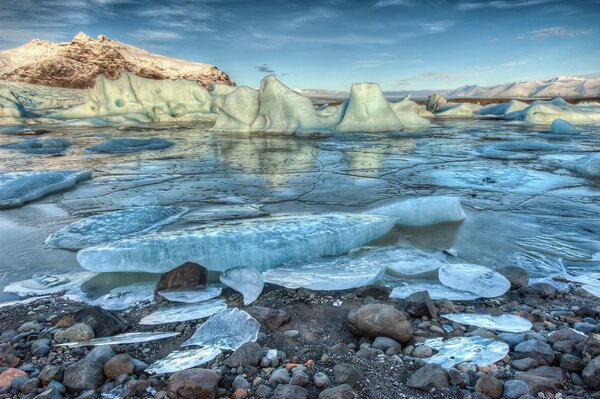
<point x="437" y="26"/>
<point x="554" y="31"/>
<point x="264" y="68"/>
<point x="312" y="15"/>
<point x="501" y="4"/>
<point x="430" y="75"/>
<point x="392" y="3"/>
<point x="155" y="35"/>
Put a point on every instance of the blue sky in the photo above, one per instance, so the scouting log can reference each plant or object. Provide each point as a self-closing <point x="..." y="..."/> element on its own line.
<point x="328" y="44"/>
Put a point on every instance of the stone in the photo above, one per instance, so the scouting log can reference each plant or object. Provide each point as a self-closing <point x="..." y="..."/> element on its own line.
<point x="249" y="354"/>
<point x="8" y="375"/>
<point x="346" y="373"/>
<point x="300" y="378"/>
<point x="525" y="364"/>
<point x="187" y="275"/>
<point x="571" y="363"/>
<point x="77" y="332"/>
<point x="456" y="377"/>
<point x="289" y="392"/>
<point x="586" y="328"/>
<point x="240" y="382"/>
<point x="30" y="385"/>
<point x="591" y="347"/>
<point x="376" y="320"/>
<point x="50" y="394"/>
<point x="427" y="377"/>
<point x="139" y="366"/>
<point x="321" y="380"/>
<point x="193" y="384"/>
<point x="514" y="389"/>
<point x="7" y="356"/>
<point x="100" y="354"/>
<point x="374" y="291"/>
<point x="420" y="304"/>
<point x="343" y="391"/>
<point x="51" y="372"/>
<point x="542" y="379"/>
<point x="38" y="343"/>
<point x="270" y="319"/>
<point x="384" y="343"/>
<point x="489" y="385"/>
<point x="239" y="393"/>
<point x="41" y="351"/>
<point x="88" y="394"/>
<point x="517" y="276"/>
<point x="18" y="382"/>
<point x="104" y="322"/>
<point x="422" y="352"/>
<point x="30" y="326"/>
<point x="535" y="349"/>
<point x="263" y="391"/>
<point x="539" y="290"/>
<point x="120" y="364"/>
<point x="512" y="339"/>
<point x="83" y="375"/>
<point x="279" y="376"/>
<point x="591" y="374"/>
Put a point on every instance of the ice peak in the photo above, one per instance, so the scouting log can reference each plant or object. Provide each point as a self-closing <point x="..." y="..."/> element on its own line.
<point x="83" y="37"/>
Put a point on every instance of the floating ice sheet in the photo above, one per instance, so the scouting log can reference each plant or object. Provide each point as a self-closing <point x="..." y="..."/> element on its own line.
<point x="179" y="313"/>
<point x="39" y="146"/>
<point x="122" y="339"/>
<point x="408" y="262"/>
<point x="588" y="165"/>
<point x="504" y="322"/>
<point x="113" y="226"/>
<point x="477" y="279"/>
<point x="261" y="243"/>
<point x="224" y="212"/>
<point x="477" y="350"/>
<point x="246" y="280"/>
<point x="423" y="211"/>
<point x="228" y="330"/>
<point x="592" y="289"/>
<point x="199" y="294"/>
<point x="502" y="109"/>
<point x="130" y="145"/>
<point x="45" y="284"/>
<point x="436" y="291"/>
<point x="118" y="298"/>
<point x="183" y="360"/>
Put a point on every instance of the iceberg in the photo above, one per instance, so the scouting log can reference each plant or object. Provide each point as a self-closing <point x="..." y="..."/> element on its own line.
<point x="113" y="226"/>
<point x="477" y="350"/>
<point x="17" y="188"/>
<point x="226" y="330"/>
<point x="183" y="360"/>
<point x="435" y="290"/>
<point x="237" y="110"/>
<point x="202" y="293"/>
<point x="588" y="166"/>
<point x="261" y="243"/>
<point x="460" y="110"/>
<point x="117" y="146"/>
<point x="545" y="112"/>
<point x="122" y="339"/>
<point x="502" y="109"/>
<point x="479" y="280"/>
<point x="423" y="211"/>
<point x="504" y="322"/>
<point x="435" y="102"/>
<point x="39" y="147"/>
<point x="561" y="126"/>
<point x="179" y="313"/>
<point x="407" y="112"/>
<point x="44" y="284"/>
<point x="246" y="280"/>
<point x="11" y="111"/>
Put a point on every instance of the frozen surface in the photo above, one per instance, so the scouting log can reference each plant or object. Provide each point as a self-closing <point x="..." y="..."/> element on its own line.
<point x="122" y="339"/>
<point x="592" y="289"/>
<point x="435" y="290"/>
<point x="260" y="243"/>
<point x="545" y="112"/>
<point x="479" y="280"/>
<point x="113" y="226"/>
<point x="130" y="145"/>
<point x="561" y="126"/>
<point x="588" y="165"/>
<point x="17" y="188"/>
<point x="519" y="150"/>
<point x="423" y="211"/>
<point x="503" y="322"/>
<point x="179" y="313"/>
<point x="224" y="212"/>
<point x="227" y="330"/>
<point x="39" y="146"/>
<point x="502" y="109"/>
<point x="200" y="294"/>
<point x="45" y="284"/>
<point x="477" y="350"/>
<point x="183" y="360"/>
<point x="246" y="280"/>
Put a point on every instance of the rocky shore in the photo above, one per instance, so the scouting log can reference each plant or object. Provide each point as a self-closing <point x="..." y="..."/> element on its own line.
<point x="326" y="345"/>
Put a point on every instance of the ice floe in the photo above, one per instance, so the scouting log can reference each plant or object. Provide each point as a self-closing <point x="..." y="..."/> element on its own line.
<point x="199" y="294"/>
<point x="224" y="212"/>
<point x="246" y="280"/>
<point x="435" y="290"/>
<point x="45" y="284"/>
<point x="116" y="146"/>
<point x="545" y="112"/>
<point x="435" y="102"/>
<point x="477" y="350"/>
<point x="423" y="211"/>
<point x="39" y="146"/>
<point x="588" y="166"/>
<point x="122" y="339"/>
<point x="227" y="330"/>
<point x="460" y="110"/>
<point x="179" y="313"/>
<point x="561" y="126"/>
<point x="408" y="262"/>
<point x="477" y="279"/>
<point x="119" y="298"/>
<point x="503" y="322"/>
<point x="520" y="150"/>
<point x="183" y="360"/>
<point x="113" y="226"/>
<point x="502" y="109"/>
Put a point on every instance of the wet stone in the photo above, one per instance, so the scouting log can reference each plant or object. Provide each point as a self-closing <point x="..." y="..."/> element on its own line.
<point x="535" y="349"/>
<point x="343" y="391"/>
<point x="345" y="373"/>
<point x="490" y="386"/>
<point x="289" y="392"/>
<point x="517" y="276"/>
<point x="83" y="375"/>
<point x="427" y="377"/>
<point x="515" y="389"/>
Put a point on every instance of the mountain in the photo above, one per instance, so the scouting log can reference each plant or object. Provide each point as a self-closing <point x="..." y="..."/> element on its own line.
<point x="77" y="63"/>
<point x="562" y="86"/>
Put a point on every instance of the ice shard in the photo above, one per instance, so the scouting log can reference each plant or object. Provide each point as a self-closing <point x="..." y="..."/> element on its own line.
<point x="261" y="243"/>
<point x="39" y="146"/>
<point x="477" y="350"/>
<point x="246" y="280"/>
<point x="119" y="298"/>
<point x="236" y="110"/>
<point x="199" y="294"/>
<point x="503" y="322"/>
<point x="122" y="339"/>
<point x="17" y="188"/>
<point x="588" y="165"/>
<point x="479" y="280"/>
<point x="118" y="146"/>
<point x="227" y="330"/>
<point x="183" y="360"/>
<point x="423" y="211"/>
<point x="113" y="226"/>
<point x="179" y="313"/>
<point x="561" y="126"/>
<point x="45" y="284"/>
<point x="435" y="290"/>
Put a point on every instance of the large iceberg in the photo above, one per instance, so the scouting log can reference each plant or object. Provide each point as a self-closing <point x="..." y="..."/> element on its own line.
<point x="502" y="109"/>
<point x="237" y="110"/>
<point x="423" y="211"/>
<point x="545" y="112"/>
<point x="261" y="243"/>
<point x="479" y="280"/>
<point x="39" y="147"/>
<point x="17" y="188"/>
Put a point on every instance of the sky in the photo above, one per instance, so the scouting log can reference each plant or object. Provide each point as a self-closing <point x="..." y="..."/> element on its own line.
<point x="328" y="44"/>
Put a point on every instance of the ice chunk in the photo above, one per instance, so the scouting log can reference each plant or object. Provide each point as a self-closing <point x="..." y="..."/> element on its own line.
<point x="179" y="313"/>
<point x="36" y="146"/>
<point x="545" y="112"/>
<point x="561" y="126"/>
<point x="436" y="291"/>
<point x="17" y="188"/>
<point x="502" y="109"/>
<point x="460" y="110"/>
<point x="122" y="339"/>
<point x="118" y="298"/>
<point x="226" y="330"/>
<point x="408" y="261"/>
<point x="477" y="350"/>
<point x="261" y="243"/>
<point x="183" y="360"/>
<point x="23" y="301"/>
<point x="130" y="145"/>
<point x="592" y="289"/>
<point x="435" y="102"/>
<point x="113" y="226"/>
<point x="236" y="110"/>
<point x="407" y="112"/>
<point x="200" y="294"/>
<point x="520" y="150"/>
<point x="367" y="111"/>
<point x="11" y="111"/>
<point x="423" y="211"/>
<point x="45" y="284"/>
<point x="224" y="212"/>
<point x="479" y="280"/>
<point x="245" y="280"/>
<point x="588" y="165"/>
<point x="503" y="322"/>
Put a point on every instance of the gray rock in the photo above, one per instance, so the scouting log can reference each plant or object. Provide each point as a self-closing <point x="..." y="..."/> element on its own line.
<point x="380" y="320"/>
<point x="30" y="385"/>
<point x="83" y="375"/>
<point x="104" y="322"/>
<point x="458" y="378"/>
<point x="591" y="374"/>
<point x="346" y="373"/>
<point x="525" y="364"/>
<point x="422" y="351"/>
<point x="538" y="350"/>
<point x="543" y="378"/>
<point x="289" y="392"/>
<point x="193" y="384"/>
<point x="77" y="332"/>
<point x="270" y="319"/>
<point x="321" y="380"/>
<point x="51" y="373"/>
<point x="50" y="394"/>
<point x="18" y="382"/>
<point x="586" y="328"/>
<point x="41" y="351"/>
<point x="481" y="332"/>
<point x="427" y="377"/>
<point x="489" y="385"/>
<point x="100" y="354"/>
<point x="240" y="382"/>
<point x="279" y="376"/>
<point x="40" y="343"/>
<point x="57" y="386"/>
<point x="591" y="347"/>
<point x="512" y="339"/>
<point x="420" y="304"/>
<point x="89" y="394"/>
<point x="249" y="354"/>
<point x="514" y="389"/>
<point x="571" y="363"/>
<point x="118" y="365"/>
<point x="31" y="326"/>
<point x="517" y="276"/>
<point x="539" y="290"/>
<point x="300" y="378"/>
<point x="263" y="391"/>
<point x="384" y="343"/>
<point x="374" y="291"/>
<point x="343" y="391"/>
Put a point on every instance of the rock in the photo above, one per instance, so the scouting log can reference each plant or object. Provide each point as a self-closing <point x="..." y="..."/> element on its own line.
<point x="539" y="290"/>
<point x="30" y="385"/>
<point x="18" y="382"/>
<point x="420" y="304"/>
<point x="422" y="351"/>
<point x="346" y="373"/>
<point x="139" y="366"/>
<point x="427" y="377"/>
<point x="591" y="347"/>
<point x="120" y="364"/>
<point x="384" y="343"/>
<point x="193" y="384"/>
<point x="30" y="326"/>
<point x="279" y="376"/>
<point x="239" y="393"/>
<point x="514" y="389"/>
<point x="249" y="353"/>
<point x="104" y="322"/>
<point x="291" y="333"/>
<point x="51" y="372"/>
<point x="240" y="382"/>
<point x="7" y="357"/>
<point x="77" y="332"/>
<point x="489" y="385"/>
<point x="188" y="275"/>
<point x="571" y="363"/>
<point x="7" y="336"/>
<point x="83" y="375"/>
<point x="8" y="375"/>
<point x="535" y="349"/>
<point x="343" y="391"/>
<point x="591" y="374"/>
<point x="481" y="332"/>
<point x="586" y="328"/>
<point x="263" y="391"/>
<point x="38" y="343"/>
<point x="300" y="378"/>
<point x="100" y="354"/>
<point x="50" y="394"/>
<point x="41" y="351"/>
<point x="525" y="364"/>
<point x="543" y="378"/>
<point x="270" y="319"/>
<point x="517" y="276"/>
<point x="456" y="377"/>
<point x="289" y="392"/>
<point x="89" y="394"/>
<point x="321" y="380"/>
<point x="376" y="320"/>
<point x="374" y="291"/>
<point x="512" y="339"/>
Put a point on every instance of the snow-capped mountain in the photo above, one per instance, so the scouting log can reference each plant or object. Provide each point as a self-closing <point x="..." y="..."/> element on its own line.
<point x="77" y="63"/>
<point x="562" y="86"/>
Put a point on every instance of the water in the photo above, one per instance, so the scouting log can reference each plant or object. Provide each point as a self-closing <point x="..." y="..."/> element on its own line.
<point x="531" y="212"/>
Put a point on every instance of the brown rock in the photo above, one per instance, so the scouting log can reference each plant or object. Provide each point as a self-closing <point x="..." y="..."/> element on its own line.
<point x="240" y="393"/>
<point x="188" y="275"/>
<point x="543" y="379"/>
<point x="490" y="386"/>
<point x="270" y="319"/>
<point x="120" y="364"/>
<point x="10" y="374"/>
<point x="193" y="384"/>
<point x="104" y="322"/>
<point x="376" y="320"/>
<point x="591" y="374"/>
<point x="7" y="358"/>
<point x="83" y="375"/>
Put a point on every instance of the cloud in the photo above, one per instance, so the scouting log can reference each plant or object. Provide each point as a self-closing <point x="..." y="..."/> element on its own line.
<point x="264" y="68"/>
<point x="392" y="3"/>
<point x="312" y="15"/>
<point x="437" y="26"/>
<point x="501" y="4"/>
<point x="430" y="75"/>
<point x="155" y="35"/>
<point x="554" y="31"/>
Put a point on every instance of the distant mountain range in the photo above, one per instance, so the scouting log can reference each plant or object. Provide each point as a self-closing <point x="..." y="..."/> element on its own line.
<point x="77" y="63"/>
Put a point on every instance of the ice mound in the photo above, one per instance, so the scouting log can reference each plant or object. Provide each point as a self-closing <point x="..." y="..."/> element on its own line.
<point x="460" y="110"/>
<point x="183" y="360"/>
<point x="224" y="212"/>
<point x="39" y="147"/>
<point x="261" y="243"/>
<point x="44" y="284"/>
<point x="435" y="102"/>
<point x="544" y="112"/>
<point x="561" y="126"/>
<point x="122" y="339"/>
<point x="246" y="280"/>
<point x="179" y="313"/>
<point x="503" y="322"/>
<point x="435" y="290"/>
<point x="588" y="165"/>
<point x="502" y="109"/>
<point x="477" y="350"/>
<point x="237" y="110"/>
<point x="119" y="298"/>
<point x="367" y="111"/>
<point x="407" y="112"/>
<point x="113" y="226"/>
<point x="423" y="211"/>
<point x="479" y="280"/>
<point x="227" y="330"/>
<point x="17" y="188"/>
<point x="11" y="112"/>
<point x="116" y="146"/>
<point x="199" y="294"/>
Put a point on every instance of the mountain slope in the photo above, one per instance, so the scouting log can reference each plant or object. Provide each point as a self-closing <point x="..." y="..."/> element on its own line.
<point x="77" y="63"/>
